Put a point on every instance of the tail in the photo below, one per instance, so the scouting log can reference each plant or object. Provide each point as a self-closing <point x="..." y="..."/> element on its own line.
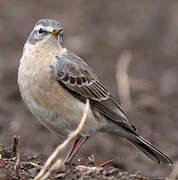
<point x="147" y="148"/>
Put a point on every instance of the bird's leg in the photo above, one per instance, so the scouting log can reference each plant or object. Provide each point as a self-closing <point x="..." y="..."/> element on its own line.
<point x="72" y="149"/>
<point x="77" y="145"/>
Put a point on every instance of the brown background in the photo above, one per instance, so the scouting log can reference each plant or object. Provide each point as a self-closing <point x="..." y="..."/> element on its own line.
<point x="99" y="31"/>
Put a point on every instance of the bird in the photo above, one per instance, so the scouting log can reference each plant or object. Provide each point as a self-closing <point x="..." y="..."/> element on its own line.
<point x="55" y="84"/>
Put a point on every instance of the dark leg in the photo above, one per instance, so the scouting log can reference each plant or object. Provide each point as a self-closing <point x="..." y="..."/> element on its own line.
<point x="77" y="141"/>
<point x="77" y="145"/>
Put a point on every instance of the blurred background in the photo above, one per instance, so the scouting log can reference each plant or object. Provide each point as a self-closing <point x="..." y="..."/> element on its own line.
<point x="140" y="35"/>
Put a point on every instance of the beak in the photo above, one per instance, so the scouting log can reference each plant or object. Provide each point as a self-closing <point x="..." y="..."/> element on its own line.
<point x="56" y="32"/>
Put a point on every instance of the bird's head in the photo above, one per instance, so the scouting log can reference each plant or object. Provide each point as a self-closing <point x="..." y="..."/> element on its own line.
<point x="46" y="30"/>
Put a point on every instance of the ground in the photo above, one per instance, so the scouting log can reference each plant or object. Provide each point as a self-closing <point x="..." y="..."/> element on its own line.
<point x="100" y="32"/>
<point x="26" y="166"/>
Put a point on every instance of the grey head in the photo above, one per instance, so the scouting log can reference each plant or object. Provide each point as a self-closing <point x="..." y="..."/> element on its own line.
<point x="46" y="29"/>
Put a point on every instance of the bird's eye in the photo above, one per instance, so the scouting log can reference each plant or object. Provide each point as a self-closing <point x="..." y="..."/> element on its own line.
<point x="41" y="31"/>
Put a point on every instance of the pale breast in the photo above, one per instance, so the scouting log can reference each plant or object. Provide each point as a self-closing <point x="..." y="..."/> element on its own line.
<point x="59" y="111"/>
<point x="50" y="103"/>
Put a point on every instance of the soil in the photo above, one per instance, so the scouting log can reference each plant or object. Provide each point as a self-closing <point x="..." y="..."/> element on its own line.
<point x="26" y="166"/>
<point x="99" y="32"/>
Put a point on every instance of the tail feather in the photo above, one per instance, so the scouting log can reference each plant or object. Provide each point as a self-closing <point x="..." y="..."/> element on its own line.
<point x="147" y="148"/>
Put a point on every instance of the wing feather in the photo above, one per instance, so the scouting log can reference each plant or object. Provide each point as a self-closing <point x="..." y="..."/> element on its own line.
<point x="75" y="75"/>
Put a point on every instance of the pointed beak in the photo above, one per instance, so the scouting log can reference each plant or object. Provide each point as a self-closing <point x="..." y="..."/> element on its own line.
<point x="58" y="34"/>
<point x="55" y="32"/>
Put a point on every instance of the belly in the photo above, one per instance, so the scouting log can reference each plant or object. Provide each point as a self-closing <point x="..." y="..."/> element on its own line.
<point x="59" y="111"/>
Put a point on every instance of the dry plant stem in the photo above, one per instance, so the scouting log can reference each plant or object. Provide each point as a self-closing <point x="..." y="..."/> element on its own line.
<point x="31" y="164"/>
<point x="123" y="79"/>
<point x="106" y="163"/>
<point x="34" y="165"/>
<point x="16" y="166"/>
<point x="88" y="169"/>
<point x="58" y="164"/>
<point x="16" y="140"/>
<point x="59" y="148"/>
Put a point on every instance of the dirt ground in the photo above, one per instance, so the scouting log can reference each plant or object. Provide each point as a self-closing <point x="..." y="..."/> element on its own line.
<point x="100" y="32"/>
<point x="27" y="165"/>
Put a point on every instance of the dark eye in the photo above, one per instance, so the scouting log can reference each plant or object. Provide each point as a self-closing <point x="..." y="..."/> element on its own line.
<point x="40" y="31"/>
